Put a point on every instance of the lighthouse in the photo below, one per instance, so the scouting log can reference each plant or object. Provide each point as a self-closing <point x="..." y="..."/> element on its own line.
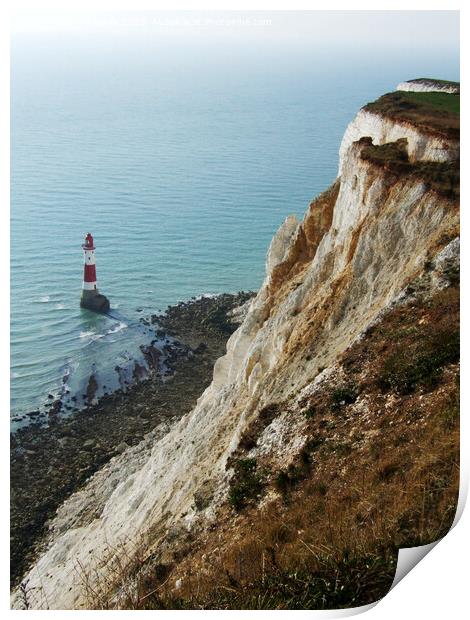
<point x="91" y="298"/>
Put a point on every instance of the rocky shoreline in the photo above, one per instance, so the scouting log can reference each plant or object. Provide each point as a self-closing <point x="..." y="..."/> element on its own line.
<point x="48" y="464"/>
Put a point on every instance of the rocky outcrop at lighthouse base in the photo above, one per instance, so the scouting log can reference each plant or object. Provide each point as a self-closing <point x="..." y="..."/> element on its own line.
<point x="94" y="301"/>
<point x="327" y="438"/>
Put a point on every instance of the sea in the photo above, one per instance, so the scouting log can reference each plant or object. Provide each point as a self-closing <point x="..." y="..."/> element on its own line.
<point x="182" y="158"/>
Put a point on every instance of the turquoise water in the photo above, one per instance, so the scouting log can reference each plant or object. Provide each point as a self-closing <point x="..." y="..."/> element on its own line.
<point x="182" y="162"/>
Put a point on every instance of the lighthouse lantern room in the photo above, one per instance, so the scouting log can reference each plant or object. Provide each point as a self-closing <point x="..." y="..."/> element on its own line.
<point x="91" y="298"/>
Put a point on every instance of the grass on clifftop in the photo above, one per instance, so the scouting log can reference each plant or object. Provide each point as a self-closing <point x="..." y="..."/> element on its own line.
<point x="444" y="101"/>
<point x="436" y="113"/>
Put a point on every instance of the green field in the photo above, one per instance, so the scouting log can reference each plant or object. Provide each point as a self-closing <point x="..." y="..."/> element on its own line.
<point x="443" y="101"/>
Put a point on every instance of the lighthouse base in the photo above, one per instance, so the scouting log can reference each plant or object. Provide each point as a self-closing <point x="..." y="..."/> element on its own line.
<point x="94" y="301"/>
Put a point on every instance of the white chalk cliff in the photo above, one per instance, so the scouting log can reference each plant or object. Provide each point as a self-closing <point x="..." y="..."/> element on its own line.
<point x="421" y="147"/>
<point x="327" y="279"/>
<point x="424" y="85"/>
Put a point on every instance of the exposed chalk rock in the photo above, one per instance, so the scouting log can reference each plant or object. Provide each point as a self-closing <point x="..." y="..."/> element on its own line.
<point x="421" y="147"/>
<point x="423" y="85"/>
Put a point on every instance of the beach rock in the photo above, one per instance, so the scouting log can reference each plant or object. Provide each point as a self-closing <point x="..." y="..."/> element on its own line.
<point x="92" y="388"/>
<point x="122" y="447"/>
<point x="55" y="408"/>
<point x="152" y="356"/>
<point x="139" y="371"/>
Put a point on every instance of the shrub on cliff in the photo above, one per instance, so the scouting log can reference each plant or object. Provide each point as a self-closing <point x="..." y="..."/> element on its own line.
<point x="246" y="485"/>
<point x="405" y="370"/>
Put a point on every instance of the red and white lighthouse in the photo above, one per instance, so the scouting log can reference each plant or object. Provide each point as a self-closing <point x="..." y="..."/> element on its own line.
<point x="89" y="268"/>
<point x="91" y="298"/>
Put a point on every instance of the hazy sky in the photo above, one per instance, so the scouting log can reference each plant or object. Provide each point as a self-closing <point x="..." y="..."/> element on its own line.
<point x="386" y="29"/>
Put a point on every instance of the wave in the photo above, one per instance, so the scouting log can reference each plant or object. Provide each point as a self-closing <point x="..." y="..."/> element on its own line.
<point x="118" y="328"/>
<point x="43" y="300"/>
<point x="206" y="296"/>
<point x="90" y="335"/>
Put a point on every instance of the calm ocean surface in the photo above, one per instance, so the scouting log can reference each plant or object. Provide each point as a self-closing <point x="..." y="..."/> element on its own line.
<point x="182" y="162"/>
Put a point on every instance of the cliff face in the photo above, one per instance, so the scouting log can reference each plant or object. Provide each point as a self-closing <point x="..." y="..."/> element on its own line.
<point x="328" y="278"/>
<point x="425" y="85"/>
<point x="422" y="146"/>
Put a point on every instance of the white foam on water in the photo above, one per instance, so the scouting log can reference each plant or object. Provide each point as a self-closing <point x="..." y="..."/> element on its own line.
<point x="117" y="328"/>
<point x="90" y="335"/>
<point x="86" y="334"/>
<point x="204" y="296"/>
